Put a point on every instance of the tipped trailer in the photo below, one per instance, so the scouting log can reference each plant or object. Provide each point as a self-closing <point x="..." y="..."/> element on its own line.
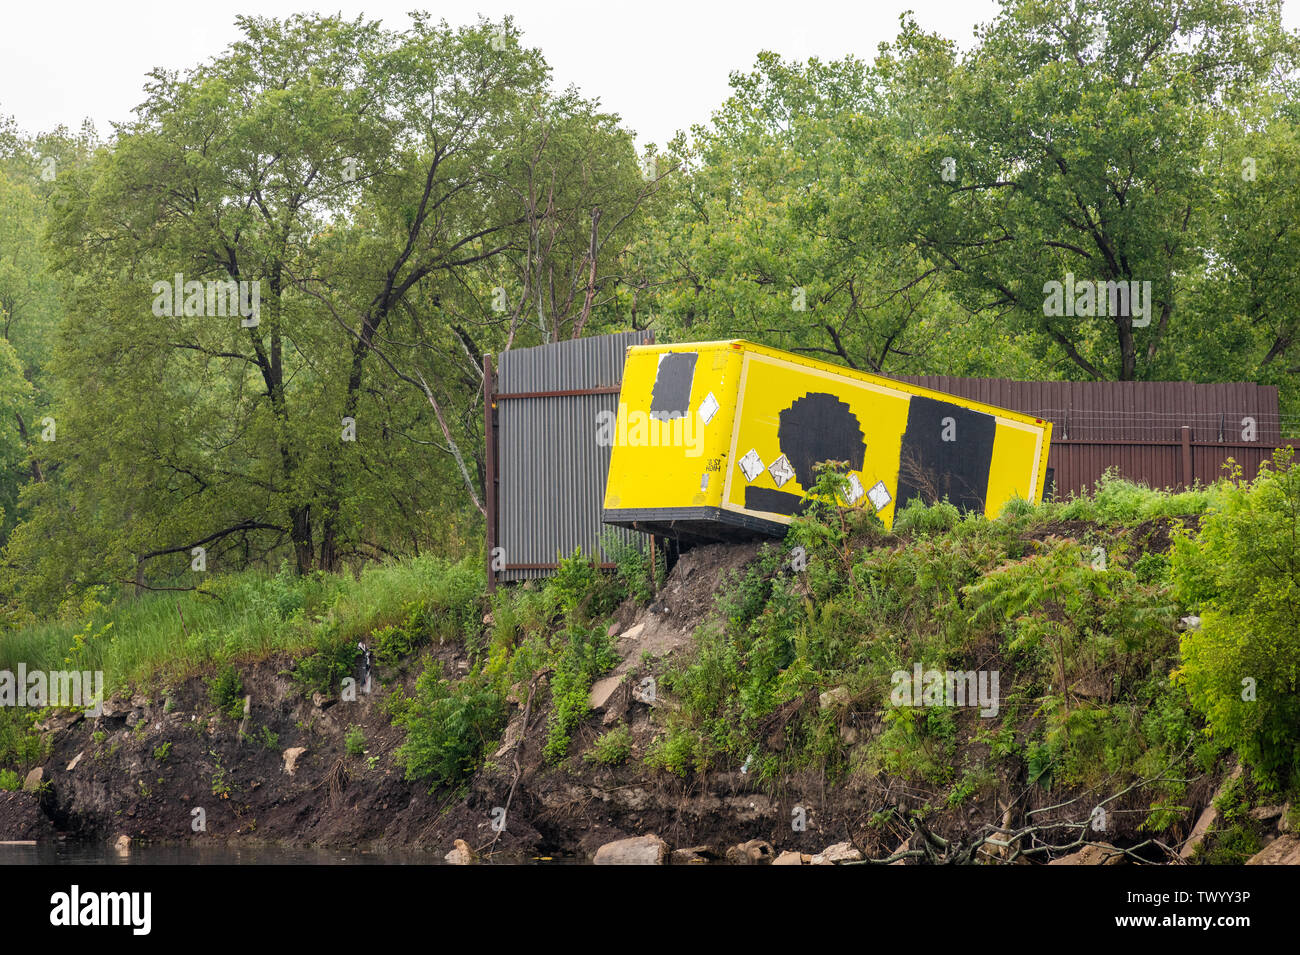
<point x="719" y="440"/>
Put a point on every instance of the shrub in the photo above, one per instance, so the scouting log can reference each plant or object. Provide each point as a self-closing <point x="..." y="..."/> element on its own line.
<point x="613" y="747"/>
<point x="226" y="692"/>
<point x="707" y="687"/>
<point x="321" y="670"/>
<point x="1151" y="568"/>
<point x="915" y="745"/>
<point x="827" y="526"/>
<point x="744" y="594"/>
<point x="449" y="727"/>
<point x="1242" y="574"/>
<point x="581" y="591"/>
<point x="1237" y="836"/>
<point x="22" y="746"/>
<point x="355" y="742"/>
<point x="518" y="616"/>
<point x="638" y="576"/>
<point x="390" y="644"/>
<point x="586" y="652"/>
<point x="678" y="752"/>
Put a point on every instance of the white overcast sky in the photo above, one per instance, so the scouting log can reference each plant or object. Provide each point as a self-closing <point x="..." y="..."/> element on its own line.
<point x="660" y="64"/>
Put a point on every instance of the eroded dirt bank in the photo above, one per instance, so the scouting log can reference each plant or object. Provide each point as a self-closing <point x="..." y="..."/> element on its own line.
<point x="153" y="769"/>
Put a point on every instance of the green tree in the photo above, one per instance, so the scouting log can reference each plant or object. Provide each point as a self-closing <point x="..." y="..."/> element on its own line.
<point x="1243" y="308"/>
<point x="375" y="188"/>
<point x="757" y="243"/>
<point x="30" y="309"/>
<point x="1072" y="140"/>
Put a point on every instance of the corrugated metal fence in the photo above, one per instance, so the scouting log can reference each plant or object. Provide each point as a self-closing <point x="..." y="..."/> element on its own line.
<point x="1161" y="433"/>
<point x="546" y="472"/>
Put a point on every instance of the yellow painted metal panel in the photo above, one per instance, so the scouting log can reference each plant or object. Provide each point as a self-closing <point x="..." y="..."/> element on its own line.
<point x="675" y="462"/>
<point x="770" y="382"/>
<point x="1016" y="442"/>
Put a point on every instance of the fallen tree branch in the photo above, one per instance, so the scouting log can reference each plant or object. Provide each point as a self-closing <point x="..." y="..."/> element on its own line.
<point x="519" y="745"/>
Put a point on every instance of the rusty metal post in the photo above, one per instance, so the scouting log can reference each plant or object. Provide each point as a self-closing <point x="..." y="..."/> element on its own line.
<point x="1187" y="456"/>
<point x="490" y="468"/>
<point x="654" y="577"/>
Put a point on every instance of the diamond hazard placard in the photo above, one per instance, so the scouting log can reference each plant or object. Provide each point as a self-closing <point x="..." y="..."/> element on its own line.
<point x="878" y="495"/>
<point x="751" y="464"/>
<point x="781" y="471"/>
<point x="708" y="408"/>
<point x="855" y="489"/>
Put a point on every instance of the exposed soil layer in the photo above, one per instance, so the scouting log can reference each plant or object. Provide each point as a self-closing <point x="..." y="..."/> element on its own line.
<point x="22" y="819"/>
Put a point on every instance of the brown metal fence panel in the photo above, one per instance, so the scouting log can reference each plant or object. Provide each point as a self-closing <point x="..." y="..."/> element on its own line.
<point x="1136" y="427"/>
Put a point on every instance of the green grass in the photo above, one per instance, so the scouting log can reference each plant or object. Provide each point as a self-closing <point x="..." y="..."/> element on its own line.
<point x="1114" y="500"/>
<point x="249" y="615"/>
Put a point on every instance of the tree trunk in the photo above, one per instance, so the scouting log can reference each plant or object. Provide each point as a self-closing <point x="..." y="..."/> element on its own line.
<point x="329" y="549"/>
<point x="1127" y="351"/>
<point x="300" y="534"/>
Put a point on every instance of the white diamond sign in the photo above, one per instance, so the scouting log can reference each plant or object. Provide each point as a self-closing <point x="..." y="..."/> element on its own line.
<point x="751" y="464"/>
<point x="879" y="496"/>
<point x="708" y="408"/>
<point x="781" y="471"/>
<point x="855" y="489"/>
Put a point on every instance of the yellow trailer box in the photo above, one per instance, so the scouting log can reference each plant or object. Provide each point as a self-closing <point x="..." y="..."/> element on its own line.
<point x="718" y="440"/>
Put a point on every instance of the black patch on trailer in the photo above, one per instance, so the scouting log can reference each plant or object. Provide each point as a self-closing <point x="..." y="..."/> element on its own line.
<point x="773" y="501"/>
<point x="672" y="392"/>
<point x="819" y="427"/>
<point x="931" y="468"/>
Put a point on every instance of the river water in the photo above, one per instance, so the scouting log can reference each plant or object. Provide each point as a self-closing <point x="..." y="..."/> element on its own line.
<point x="86" y="853"/>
